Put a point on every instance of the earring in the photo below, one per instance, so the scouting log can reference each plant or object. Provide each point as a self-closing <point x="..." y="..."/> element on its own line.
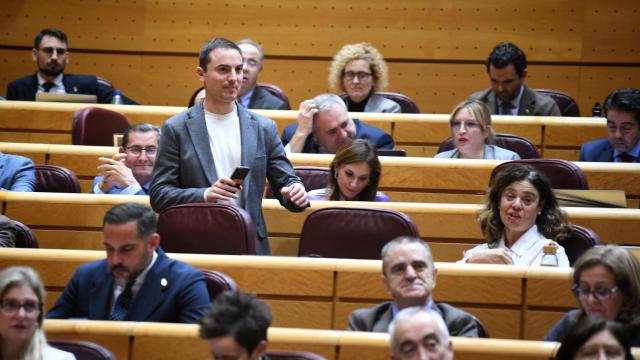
<point x="539" y="212"/>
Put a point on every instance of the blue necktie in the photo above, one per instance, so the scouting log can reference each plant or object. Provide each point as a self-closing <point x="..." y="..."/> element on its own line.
<point x="47" y="86"/>
<point x="123" y="303"/>
<point x="626" y="157"/>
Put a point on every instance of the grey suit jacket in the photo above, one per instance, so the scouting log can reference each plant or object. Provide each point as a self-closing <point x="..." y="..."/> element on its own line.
<point x="184" y="166"/>
<point x="379" y="103"/>
<point x="531" y="103"/>
<point x="378" y="318"/>
<point x="262" y="99"/>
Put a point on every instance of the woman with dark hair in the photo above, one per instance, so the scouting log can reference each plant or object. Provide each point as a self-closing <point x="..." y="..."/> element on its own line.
<point x="21" y="315"/>
<point x="595" y="338"/>
<point x="471" y="130"/>
<point x="354" y="174"/>
<point x="606" y="283"/>
<point x="520" y="218"/>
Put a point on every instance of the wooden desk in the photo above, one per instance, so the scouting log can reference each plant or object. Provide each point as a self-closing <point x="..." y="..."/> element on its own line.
<point x="419" y="134"/>
<point x="403" y="179"/>
<point x="132" y="341"/>
<point x="494" y="293"/>
<point x="74" y="221"/>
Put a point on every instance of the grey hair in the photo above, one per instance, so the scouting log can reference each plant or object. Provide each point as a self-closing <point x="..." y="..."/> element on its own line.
<point x="405" y="240"/>
<point x="254" y="44"/>
<point x="410" y="313"/>
<point x="326" y="102"/>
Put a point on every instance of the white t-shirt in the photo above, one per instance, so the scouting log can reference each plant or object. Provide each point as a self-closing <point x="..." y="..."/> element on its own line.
<point x="527" y="251"/>
<point x="225" y="143"/>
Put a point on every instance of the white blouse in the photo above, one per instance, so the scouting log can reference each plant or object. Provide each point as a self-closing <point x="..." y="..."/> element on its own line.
<point x="526" y="251"/>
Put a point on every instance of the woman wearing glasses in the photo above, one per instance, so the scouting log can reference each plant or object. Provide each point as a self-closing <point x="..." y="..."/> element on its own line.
<point x="606" y="282"/>
<point x="359" y="71"/>
<point x="21" y="314"/>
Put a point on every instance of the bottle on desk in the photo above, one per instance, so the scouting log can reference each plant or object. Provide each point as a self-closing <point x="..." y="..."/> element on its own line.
<point x="550" y="258"/>
<point x="597" y="110"/>
<point x="117" y="98"/>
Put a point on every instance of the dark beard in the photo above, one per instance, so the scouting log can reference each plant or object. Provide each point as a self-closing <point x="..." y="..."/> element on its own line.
<point x="52" y="72"/>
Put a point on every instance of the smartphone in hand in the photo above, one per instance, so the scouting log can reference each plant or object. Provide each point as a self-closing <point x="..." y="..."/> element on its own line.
<point x="239" y="174"/>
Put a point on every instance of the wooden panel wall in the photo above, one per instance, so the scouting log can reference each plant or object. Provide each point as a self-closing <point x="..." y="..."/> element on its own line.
<point x="435" y="50"/>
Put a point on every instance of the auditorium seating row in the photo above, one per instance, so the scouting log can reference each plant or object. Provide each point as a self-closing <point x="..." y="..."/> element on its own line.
<point x="512" y="302"/>
<point x="419" y="134"/>
<point x="74" y="221"/>
<point x="403" y="179"/>
<point x="132" y="341"/>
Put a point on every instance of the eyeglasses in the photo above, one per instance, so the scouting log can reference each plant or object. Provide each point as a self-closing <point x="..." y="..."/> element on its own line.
<point x="598" y="293"/>
<point x="49" y="50"/>
<point x="624" y="128"/>
<point x="137" y="150"/>
<point x="251" y="63"/>
<point x="11" y="307"/>
<point x="361" y="75"/>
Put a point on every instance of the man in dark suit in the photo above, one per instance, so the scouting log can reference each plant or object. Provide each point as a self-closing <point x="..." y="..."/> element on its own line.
<point x="324" y="125"/>
<point x="508" y="95"/>
<point x="250" y="95"/>
<point x="137" y="281"/>
<point x="202" y="146"/>
<point x="17" y="173"/>
<point x="235" y="326"/>
<point x="622" y="110"/>
<point x="51" y="54"/>
<point x="409" y="275"/>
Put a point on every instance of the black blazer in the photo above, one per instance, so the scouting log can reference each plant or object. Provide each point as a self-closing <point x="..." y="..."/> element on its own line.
<point x="25" y="88"/>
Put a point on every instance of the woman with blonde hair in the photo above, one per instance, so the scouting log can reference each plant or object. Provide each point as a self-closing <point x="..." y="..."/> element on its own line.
<point x="360" y="71"/>
<point x="472" y="134"/>
<point x="21" y="315"/>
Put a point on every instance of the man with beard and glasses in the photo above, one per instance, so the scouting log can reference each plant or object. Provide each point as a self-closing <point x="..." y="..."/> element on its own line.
<point x="137" y="281"/>
<point x="508" y="95"/>
<point x="51" y="54"/>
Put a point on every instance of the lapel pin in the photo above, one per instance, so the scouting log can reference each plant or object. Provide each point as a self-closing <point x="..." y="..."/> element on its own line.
<point x="164" y="282"/>
<point x="75" y="89"/>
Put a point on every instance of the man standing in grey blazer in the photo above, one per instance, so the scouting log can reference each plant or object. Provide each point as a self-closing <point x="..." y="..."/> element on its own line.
<point x="409" y="275"/>
<point x="201" y="147"/>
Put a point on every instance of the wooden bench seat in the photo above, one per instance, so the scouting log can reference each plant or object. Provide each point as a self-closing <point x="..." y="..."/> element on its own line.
<point x="170" y="341"/>
<point x="511" y="301"/>
<point x="419" y="134"/>
<point x="74" y="221"/>
<point x="403" y="179"/>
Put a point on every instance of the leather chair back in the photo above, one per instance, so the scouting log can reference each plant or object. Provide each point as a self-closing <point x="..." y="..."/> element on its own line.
<point x="482" y="330"/>
<point x="407" y="105"/>
<point x="206" y="228"/>
<point x="218" y="282"/>
<point x="566" y="104"/>
<point x="96" y="126"/>
<point x="25" y="238"/>
<point x="83" y="350"/>
<point x="562" y="174"/>
<point x="312" y="178"/>
<point x="581" y="240"/>
<point x="52" y="178"/>
<point x="277" y="92"/>
<point x="515" y="143"/>
<point x="293" y="355"/>
<point x="353" y="233"/>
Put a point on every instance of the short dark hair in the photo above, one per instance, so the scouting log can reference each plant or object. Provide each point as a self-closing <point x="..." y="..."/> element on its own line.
<point x="582" y="330"/>
<point x="138" y="128"/>
<point x="56" y="33"/>
<point x="507" y="53"/>
<point x="126" y="212"/>
<point x="239" y="314"/>
<point x="215" y="43"/>
<point x="625" y="100"/>
<point x="192" y="99"/>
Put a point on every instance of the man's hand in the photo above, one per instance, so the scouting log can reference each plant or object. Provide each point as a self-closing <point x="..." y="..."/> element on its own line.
<point x="305" y="125"/>
<point x="491" y="256"/>
<point x="115" y="172"/>
<point x="296" y="193"/>
<point x="223" y="189"/>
